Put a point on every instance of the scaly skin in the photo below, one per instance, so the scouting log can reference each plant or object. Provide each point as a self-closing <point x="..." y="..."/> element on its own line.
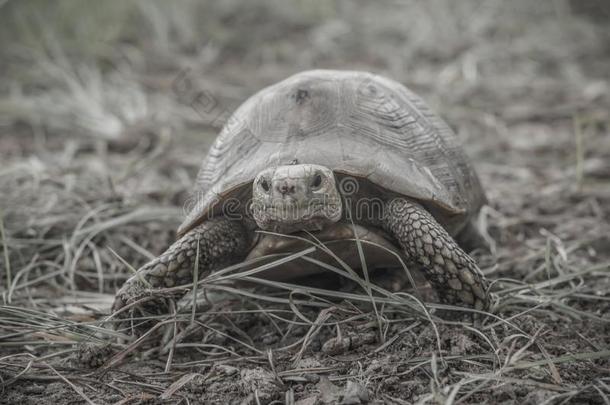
<point x="452" y="273"/>
<point x="221" y="242"/>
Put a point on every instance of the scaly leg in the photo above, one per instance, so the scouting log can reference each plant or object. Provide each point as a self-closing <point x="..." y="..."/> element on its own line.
<point x="452" y="273"/>
<point x="221" y="242"/>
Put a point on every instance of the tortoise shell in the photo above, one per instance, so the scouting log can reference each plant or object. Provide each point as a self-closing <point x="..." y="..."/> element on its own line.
<point x="355" y="123"/>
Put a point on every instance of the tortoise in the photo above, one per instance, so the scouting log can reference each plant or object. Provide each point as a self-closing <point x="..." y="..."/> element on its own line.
<point x="331" y="156"/>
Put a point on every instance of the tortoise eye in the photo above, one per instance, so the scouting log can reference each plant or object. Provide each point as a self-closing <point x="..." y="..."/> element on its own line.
<point x="265" y="184"/>
<point x="317" y="181"/>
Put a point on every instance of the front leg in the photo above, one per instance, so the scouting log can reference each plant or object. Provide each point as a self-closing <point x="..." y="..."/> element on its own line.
<point x="221" y="242"/>
<point x="452" y="273"/>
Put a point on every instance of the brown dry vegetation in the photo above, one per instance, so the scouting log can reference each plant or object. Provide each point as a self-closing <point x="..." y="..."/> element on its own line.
<point x="107" y="108"/>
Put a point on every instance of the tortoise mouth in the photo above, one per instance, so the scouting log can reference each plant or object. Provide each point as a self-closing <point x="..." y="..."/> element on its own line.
<point x="300" y="211"/>
<point x="290" y="219"/>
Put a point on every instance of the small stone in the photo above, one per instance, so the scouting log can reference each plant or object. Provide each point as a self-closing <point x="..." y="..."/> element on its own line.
<point x="169" y="281"/>
<point x="355" y="393"/>
<point x="92" y="355"/>
<point x="260" y="381"/>
<point x="226" y="369"/>
<point x="427" y="239"/>
<point x="416" y="225"/>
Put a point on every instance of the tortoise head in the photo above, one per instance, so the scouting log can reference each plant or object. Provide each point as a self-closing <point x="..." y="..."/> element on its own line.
<point x="298" y="197"/>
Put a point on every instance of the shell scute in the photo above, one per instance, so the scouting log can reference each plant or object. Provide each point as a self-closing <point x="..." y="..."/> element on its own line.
<point x="355" y="123"/>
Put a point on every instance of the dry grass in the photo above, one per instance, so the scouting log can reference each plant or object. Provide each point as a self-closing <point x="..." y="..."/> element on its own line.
<point x="101" y="135"/>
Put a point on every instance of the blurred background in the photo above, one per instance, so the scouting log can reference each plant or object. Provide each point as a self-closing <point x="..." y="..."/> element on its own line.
<point x="107" y="108"/>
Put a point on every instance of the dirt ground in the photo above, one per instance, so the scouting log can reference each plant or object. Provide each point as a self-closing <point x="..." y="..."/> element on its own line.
<point x="106" y="110"/>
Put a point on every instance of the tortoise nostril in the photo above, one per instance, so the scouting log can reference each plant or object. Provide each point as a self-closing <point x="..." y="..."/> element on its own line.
<point x="286" y="188"/>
